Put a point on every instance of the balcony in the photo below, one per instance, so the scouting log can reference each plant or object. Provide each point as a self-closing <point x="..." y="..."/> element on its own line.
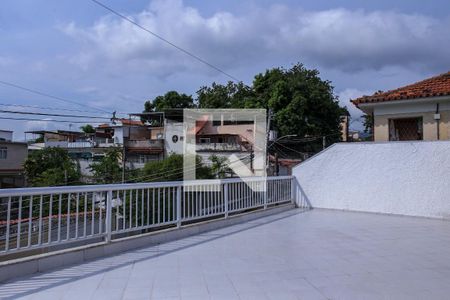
<point x="313" y="254"/>
<point x="145" y="144"/>
<point x="106" y="143"/>
<point x="65" y="144"/>
<point x="232" y="147"/>
<point x="42" y="218"/>
<point x="212" y="239"/>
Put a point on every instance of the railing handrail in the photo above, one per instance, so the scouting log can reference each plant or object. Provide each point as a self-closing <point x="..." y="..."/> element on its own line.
<point x="14" y="192"/>
<point x="44" y="216"/>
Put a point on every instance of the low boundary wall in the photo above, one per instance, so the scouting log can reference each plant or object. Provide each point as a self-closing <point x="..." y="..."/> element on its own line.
<point x="405" y="178"/>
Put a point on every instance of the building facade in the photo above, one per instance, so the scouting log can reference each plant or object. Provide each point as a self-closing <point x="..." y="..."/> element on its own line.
<point x="420" y="111"/>
<point x="12" y="158"/>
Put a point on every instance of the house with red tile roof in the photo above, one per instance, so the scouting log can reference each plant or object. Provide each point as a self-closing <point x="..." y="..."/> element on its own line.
<point x="419" y="111"/>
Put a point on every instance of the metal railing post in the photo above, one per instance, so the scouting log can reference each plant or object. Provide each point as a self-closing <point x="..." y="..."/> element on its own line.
<point x="266" y="192"/>
<point x="108" y="219"/>
<point x="8" y="221"/>
<point x="179" y="207"/>
<point x="225" y="198"/>
<point x="293" y="191"/>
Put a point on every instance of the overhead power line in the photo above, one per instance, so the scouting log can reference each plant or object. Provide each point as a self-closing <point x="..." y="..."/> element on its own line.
<point x="165" y="40"/>
<point x="41" y="120"/>
<point x="33" y="91"/>
<point x="53" y="115"/>
<point x="48" y="108"/>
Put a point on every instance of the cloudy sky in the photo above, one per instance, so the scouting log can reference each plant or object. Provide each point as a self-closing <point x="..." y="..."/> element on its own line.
<point x="78" y="51"/>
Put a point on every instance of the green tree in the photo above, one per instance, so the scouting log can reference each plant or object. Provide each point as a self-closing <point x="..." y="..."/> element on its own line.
<point x="170" y="100"/>
<point x="40" y="139"/>
<point x="368" y="123"/>
<point x="171" y="169"/>
<point x="302" y="103"/>
<point x="51" y="166"/>
<point x="108" y="169"/>
<point x="219" y="166"/>
<point x="88" y="128"/>
<point x="231" y="95"/>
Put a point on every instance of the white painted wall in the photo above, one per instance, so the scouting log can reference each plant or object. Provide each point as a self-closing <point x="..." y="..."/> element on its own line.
<point x="407" y="178"/>
<point x="6" y="135"/>
<point x="172" y="128"/>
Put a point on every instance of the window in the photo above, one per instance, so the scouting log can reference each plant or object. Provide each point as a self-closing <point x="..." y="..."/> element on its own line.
<point x="408" y="129"/>
<point x="205" y="140"/>
<point x="3" y="152"/>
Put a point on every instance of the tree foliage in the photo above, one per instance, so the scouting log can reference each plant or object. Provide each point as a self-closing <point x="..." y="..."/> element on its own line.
<point x="169" y="100"/>
<point x="368" y="123"/>
<point x="51" y="166"/>
<point x="88" y="128"/>
<point x="302" y="103"/>
<point x="108" y="169"/>
<point x="231" y="95"/>
<point x="219" y="166"/>
<point x="171" y="169"/>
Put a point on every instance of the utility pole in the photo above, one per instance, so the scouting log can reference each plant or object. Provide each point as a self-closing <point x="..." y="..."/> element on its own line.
<point x="123" y="163"/>
<point x="277" y="168"/>
<point x="252" y="156"/>
<point x="267" y="145"/>
<point x="324" y="142"/>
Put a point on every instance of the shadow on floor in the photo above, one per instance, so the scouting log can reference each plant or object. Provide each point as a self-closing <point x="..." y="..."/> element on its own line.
<point x="41" y="281"/>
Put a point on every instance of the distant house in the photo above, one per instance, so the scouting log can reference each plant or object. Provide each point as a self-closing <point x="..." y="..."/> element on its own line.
<point x="140" y="143"/>
<point x="12" y="158"/>
<point x="220" y="137"/>
<point x="223" y="138"/>
<point x="419" y="111"/>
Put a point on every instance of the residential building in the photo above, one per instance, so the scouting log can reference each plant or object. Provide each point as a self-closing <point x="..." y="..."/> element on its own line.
<point x="138" y="142"/>
<point x="224" y="138"/>
<point x="12" y="158"/>
<point x="419" y="111"/>
<point x="219" y="137"/>
<point x="6" y="135"/>
<point x="80" y="146"/>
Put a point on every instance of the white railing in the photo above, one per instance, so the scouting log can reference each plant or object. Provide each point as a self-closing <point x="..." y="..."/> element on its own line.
<point x="80" y="144"/>
<point x="219" y="147"/>
<point x="158" y="144"/>
<point x="41" y="217"/>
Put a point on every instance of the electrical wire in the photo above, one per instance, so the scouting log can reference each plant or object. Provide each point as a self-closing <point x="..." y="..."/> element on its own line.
<point x="42" y="120"/>
<point x="288" y="148"/>
<point x="165" y="40"/>
<point x="53" y="115"/>
<point x="47" y="108"/>
<point x="33" y="91"/>
<point x="281" y="151"/>
<point x="180" y="171"/>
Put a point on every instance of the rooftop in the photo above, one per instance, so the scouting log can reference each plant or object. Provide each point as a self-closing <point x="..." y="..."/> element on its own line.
<point x="315" y="254"/>
<point x="431" y="87"/>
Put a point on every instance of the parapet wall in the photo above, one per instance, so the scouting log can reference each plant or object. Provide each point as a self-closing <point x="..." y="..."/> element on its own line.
<point x="406" y="178"/>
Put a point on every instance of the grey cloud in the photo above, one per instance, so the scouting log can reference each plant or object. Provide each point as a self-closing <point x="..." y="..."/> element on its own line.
<point x="342" y="39"/>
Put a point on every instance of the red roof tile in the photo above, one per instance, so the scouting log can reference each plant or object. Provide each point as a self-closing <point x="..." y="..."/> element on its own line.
<point x="431" y="87"/>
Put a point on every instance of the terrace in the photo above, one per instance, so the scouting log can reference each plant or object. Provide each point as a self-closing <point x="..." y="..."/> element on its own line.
<point x="242" y="238"/>
<point x="295" y="254"/>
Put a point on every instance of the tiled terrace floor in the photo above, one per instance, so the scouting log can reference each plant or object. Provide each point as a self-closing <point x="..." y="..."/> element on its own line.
<point x="293" y="255"/>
